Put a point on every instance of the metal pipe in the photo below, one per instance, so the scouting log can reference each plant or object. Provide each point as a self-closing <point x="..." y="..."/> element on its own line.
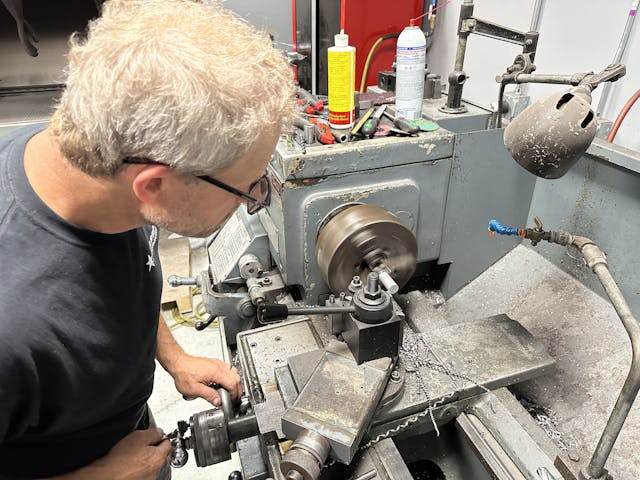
<point x="536" y="16"/>
<point x="632" y="383"/>
<point x="466" y="11"/>
<point x="542" y="78"/>
<point x="310" y="310"/>
<point x="461" y="52"/>
<point x="454" y="97"/>
<point x="622" y="46"/>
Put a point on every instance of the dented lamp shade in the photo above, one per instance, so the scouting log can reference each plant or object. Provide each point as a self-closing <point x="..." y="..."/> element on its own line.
<point x="551" y="135"/>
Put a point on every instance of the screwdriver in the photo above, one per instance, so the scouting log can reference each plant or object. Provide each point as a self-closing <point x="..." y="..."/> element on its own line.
<point x="371" y="126"/>
<point x="361" y="122"/>
<point x="403" y="123"/>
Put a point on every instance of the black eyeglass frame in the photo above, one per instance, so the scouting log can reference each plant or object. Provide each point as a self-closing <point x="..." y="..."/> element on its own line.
<point x="253" y="204"/>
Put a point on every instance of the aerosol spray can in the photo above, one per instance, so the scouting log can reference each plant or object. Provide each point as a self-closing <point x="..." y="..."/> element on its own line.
<point x="410" y="70"/>
<point x="341" y="82"/>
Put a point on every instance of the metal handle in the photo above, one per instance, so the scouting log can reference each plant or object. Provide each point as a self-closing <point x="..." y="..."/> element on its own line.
<point x="272" y="312"/>
<point x="176" y="281"/>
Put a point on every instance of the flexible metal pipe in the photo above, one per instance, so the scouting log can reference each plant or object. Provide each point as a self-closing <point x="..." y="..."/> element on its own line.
<point x="624" y="40"/>
<point x="632" y="383"/>
<point x="596" y="260"/>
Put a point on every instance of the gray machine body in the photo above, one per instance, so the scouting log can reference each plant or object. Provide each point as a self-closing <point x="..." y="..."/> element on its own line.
<point x="431" y="182"/>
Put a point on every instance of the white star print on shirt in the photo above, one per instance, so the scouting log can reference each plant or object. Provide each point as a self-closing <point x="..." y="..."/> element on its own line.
<point x="152" y="243"/>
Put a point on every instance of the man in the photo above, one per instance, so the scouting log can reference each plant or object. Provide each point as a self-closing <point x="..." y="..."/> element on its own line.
<point x="171" y="112"/>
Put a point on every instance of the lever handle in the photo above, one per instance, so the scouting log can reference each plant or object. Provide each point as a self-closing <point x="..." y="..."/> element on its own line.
<point x="612" y="73"/>
<point x="176" y="281"/>
<point x="269" y="312"/>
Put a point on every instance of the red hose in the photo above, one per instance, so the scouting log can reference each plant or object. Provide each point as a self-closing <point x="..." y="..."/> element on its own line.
<point x="621" y="115"/>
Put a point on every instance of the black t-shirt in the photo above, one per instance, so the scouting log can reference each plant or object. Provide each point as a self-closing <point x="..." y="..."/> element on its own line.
<point x="78" y="321"/>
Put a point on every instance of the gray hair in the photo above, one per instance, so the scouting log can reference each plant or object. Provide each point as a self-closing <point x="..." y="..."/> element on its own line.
<point x="183" y="83"/>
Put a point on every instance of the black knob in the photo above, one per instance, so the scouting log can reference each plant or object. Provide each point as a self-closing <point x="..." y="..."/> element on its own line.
<point x="235" y="475"/>
<point x="200" y="325"/>
<point x="272" y="311"/>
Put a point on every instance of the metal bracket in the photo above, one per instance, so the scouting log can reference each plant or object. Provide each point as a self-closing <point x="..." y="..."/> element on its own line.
<point x="610" y="74"/>
<point x="492" y="30"/>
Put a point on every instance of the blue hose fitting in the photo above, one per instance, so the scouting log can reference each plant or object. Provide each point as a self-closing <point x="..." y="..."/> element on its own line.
<point x="497" y="227"/>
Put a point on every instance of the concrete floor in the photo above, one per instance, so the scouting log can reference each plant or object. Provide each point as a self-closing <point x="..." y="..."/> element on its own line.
<point x="578" y="327"/>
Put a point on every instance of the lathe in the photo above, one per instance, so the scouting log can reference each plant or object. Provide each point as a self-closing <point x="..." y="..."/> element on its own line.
<point x="330" y="301"/>
<point x="328" y="298"/>
<point x="335" y="362"/>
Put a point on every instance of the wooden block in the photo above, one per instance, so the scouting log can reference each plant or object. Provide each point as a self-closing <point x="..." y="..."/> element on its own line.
<point x="175" y="256"/>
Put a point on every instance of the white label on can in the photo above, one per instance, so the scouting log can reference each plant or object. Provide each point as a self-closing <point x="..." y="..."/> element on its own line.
<point x="410" y="71"/>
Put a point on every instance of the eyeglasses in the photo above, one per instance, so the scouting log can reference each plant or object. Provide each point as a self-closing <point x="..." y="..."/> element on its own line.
<point x="257" y="197"/>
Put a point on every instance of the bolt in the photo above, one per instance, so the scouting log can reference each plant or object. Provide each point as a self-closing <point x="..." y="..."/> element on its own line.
<point x="355" y="285"/>
<point x="372" y="290"/>
<point x="573" y="457"/>
<point x="342" y="297"/>
<point x="266" y="281"/>
<point x="395" y="376"/>
<point x="372" y="282"/>
<point x="450" y="411"/>
<point x="332" y="298"/>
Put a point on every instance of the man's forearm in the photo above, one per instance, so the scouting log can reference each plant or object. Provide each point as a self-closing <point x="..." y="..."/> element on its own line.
<point x="168" y="351"/>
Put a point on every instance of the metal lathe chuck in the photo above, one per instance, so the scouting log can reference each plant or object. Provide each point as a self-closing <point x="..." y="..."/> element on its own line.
<point x="359" y="239"/>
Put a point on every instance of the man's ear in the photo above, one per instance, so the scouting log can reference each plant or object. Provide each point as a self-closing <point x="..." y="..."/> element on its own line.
<point x="149" y="183"/>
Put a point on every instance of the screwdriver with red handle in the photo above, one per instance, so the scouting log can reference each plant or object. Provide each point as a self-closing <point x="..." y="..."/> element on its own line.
<point x="323" y="131"/>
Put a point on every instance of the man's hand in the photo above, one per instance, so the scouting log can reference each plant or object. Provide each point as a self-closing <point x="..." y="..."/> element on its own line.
<point x="141" y="455"/>
<point x="193" y="375"/>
